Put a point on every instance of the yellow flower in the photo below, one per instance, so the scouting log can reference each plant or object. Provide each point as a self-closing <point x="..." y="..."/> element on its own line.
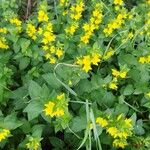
<point x="87" y="67"/>
<point x="42" y="16"/>
<point x="15" y="21"/>
<point x="102" y="122"/>
<point x="3" y="30"/>
<point x="115" y="72"/>
<point x="59" y="52"/>
<point x="118" y="2"/>
<point x="123" y="74"/>
<point x="45" y="47"/>
<point x="128" y="123"/>
<point x="52" y="49"/>
<point x="123" y="135"/>
<point x="130" y="35"/>
<point x="71" y="29"/>
<point x="49" y="108"/>
<point x="4" y="134"/>
<point x="148" y="94"/>
<point x="48" y="37"/>
<point x="3" y="44"/>
<point x="40" y="31"/>
<point x="95" y="58"/>
<point x="63" y="2"/>
<point x="60" y="96"/>
<point x="31" y="31"/>
<point x="33" y="143"/>
<point x="113" y="85"/>
<point x="142" y="60"/>
<point x="52" y="60"/>
<point x="48" y="56"/>
<point x="120" y="143"/>
<point x="59" y="112"/>
<point x="113" y="131"/>
<point x="85" y="39"/>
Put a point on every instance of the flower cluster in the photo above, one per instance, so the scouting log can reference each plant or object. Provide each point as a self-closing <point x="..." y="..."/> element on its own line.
<point x="4" y="134"/>
<point x="116" y="23"/>
<point x="75" y="14"/>
<point x="34" y="143"/>
<point x="88" y="60"/>
<point x="144" y="59"/>
<point x="93" y="23"/>
<point x="3" y="30"/>
<point x="48" y="35"/>
<point x="56" y="107"/>
<point x="15" y="21"/>
<point x="119" y="128"/>
<point x="18" y="24"/>
<point x="116" y="75"/>
<point x="42" y="16"/>
<point x="76" y="10"/>
<point x="118" y="2"/>
<point x="71" y="28"/>
<point x="3" y="43"/>
<point x="31" y="31"/>
<point x="53" y="53"/>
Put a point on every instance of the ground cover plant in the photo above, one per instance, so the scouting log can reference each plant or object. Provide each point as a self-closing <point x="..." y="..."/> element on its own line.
<point x="74" y="74"/>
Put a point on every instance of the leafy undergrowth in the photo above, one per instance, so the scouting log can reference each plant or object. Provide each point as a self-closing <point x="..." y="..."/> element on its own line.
<point x="74" y="75"/>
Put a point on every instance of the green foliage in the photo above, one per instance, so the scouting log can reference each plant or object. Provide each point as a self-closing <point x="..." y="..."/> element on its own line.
<point x="74" y="74"/>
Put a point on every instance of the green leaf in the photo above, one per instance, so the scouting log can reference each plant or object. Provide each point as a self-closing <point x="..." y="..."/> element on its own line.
<point x="34" y="109"/>
<point x="11" y="122"/>
<point x="128" y="90"/>
<point x="24" y="62"/>
<point x="37" y="130"/>
<point x="51" y="80"/>
<point x="78" y="124"/>
<point x="56" y="142"/>
<point x="24" y="43"/>
<point x="121" y="109"/>
<point x="34" y="90"/>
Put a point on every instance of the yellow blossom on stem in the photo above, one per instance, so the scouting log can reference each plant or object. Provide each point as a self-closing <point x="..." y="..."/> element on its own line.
<point x="52" y="60"/>
<point x="113" y="131"/>
<point x="113" y="85"/>
<point x="33" y="143"/>
<point x="102" y="122"/>
<point x="148" y="94"/>
<point x="3" y="30"/>
<point x="71" y="29"/>
<point x="3" y="44"/>
<point x="96" y="58"/>
<point x="120" y="143"/>
<point x="142" y="60"/>
<point x="118" y="2"/>
<point x="59" y="112"/>
<point x="60" y="96"/>
<point x="49" y="108"/>
<point x="4" y="134"/>
<point x="115" y="72"/>
<point x="42" y="16"/>
<point x="31" y="31"/>
<point x="59" y="53"/>
<point x="15" y="21"/>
